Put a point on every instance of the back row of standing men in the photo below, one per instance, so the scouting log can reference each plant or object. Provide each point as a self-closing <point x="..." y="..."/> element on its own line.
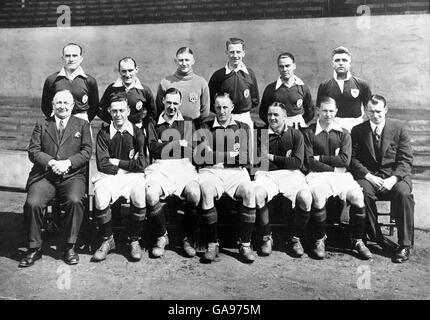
<point x="231" y="93"/>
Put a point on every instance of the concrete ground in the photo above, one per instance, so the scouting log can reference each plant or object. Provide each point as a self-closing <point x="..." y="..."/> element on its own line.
<point x="278" y="277"/>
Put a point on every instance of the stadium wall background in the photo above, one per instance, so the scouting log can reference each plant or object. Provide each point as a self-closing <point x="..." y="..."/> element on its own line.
<point x="391" y="52"/>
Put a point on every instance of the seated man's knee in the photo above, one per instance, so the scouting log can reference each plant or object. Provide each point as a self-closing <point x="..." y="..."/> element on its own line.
<point x="260" y="197"/>
<point x="138" y="196"/>
<point x="102" y="198"/>
<point x="355" y="197"/>
<point x="192" y="193"/>
<point x="246" y="191"/>
<point x="319" y="198"/>
<point x="33" y="203"/>
<point x="152" y="194"/>
<point x="304" y="199"/>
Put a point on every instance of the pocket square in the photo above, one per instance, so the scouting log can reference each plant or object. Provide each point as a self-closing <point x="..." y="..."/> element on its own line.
<point x="77" y="135"/>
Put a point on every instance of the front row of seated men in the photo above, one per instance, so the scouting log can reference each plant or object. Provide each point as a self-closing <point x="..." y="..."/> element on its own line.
<point x="61" y="147"/>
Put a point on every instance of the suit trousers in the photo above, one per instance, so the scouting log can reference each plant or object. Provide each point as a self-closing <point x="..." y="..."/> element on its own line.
<point x="402" y="208"/>
<point x="69" y="192"/>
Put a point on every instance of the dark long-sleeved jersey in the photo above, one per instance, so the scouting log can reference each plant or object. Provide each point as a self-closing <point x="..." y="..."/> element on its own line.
<point x="129" y="149"/>
<point x="241" y="86"/>
<point x="333" y="147"/>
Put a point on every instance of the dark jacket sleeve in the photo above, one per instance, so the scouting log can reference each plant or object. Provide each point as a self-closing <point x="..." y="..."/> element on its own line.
<point x="255" y="96"/>
<point x="93" y="98"/>
<point x="295" y="160"/>
<point x="139" y="163"/>
<point x="104" y="105"/>
<point x="357" y="168"/>
<point x="47" y="95"/>
<point x="35" y="153"/>
<point x="404" y="156"/>
<point x="159" y="101"/>
<point x="308" y="105"/>
<point x="81" y="158"/>
<point x="343" y="159"/>
<point x="102" y="154"/>
<point x="151" y="108"/>
<point x="214" y="87"/>
<point x="266" y="100"/>
<point x="320" y="93"/>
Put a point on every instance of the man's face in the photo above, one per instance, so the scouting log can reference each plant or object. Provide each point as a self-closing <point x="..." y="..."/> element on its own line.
<point x="341" y="63"/>
<point x="276" y="117"/>
<point x="327" y="112"/>
<point x="185" y="62"/>
<point x="128" y="72"/>
<point x="172" y="103"/>
<point x="119" y="111"/>
<point x="72" y="58"/>
<point x="376" y="113"/>
<point x="286" y="68"/>
<point x="62" y="104"/>
<point x="223" y="108"/>
<point x="235" y="54"/>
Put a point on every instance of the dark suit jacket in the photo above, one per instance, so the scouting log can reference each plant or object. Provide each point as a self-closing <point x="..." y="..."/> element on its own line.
<point x="76" y="146"/>
<point x="396" y="152"/>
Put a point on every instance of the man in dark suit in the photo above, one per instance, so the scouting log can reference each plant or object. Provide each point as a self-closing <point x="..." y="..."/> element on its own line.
<point x="60" y="148"/>
<point x="382" y="163"/>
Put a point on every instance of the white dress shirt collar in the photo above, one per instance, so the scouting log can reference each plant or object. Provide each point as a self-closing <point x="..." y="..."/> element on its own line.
<point x="128" y="126"/>
<point x="217" y="124"/>
<point x="241" y="66"/>
<point x="374" y="125"/>
<point x="135" y="84"/>
<point x="78" y="72"/>
<point x="177" y="117"/>
<point x="57" y="122"/>
<point x="334" y="126"/>
<point x="297" y="81"/>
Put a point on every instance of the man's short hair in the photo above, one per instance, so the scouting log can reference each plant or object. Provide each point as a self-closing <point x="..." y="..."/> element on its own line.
<point x="184" y="50"/>
<point x="286" y="55"/>
<point x="125" y="59"/>
<point x="279" y="104"/>
<point x="340" y="50"/>
<point x="235" y="41"/>
<point x="118" y="98"/>
<point x="173" y="90"/>
<point x="376" y="98"/>
<point x="327" y="100"/>
<point x="223" y="94"/>
<point x="63" y="90"/>
<point x="73" y="44"/>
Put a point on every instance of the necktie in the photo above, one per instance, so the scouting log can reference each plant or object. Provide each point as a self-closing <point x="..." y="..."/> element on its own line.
<point x="61" y="130"/>
<point x="378" y="137"/>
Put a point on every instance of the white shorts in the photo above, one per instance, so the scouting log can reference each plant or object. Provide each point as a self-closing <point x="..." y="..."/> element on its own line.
<point x="119" y="185"/>
<point x="286" y="182"/>
<point x="333" y="183"/>
<point x="296" y="121"/>
<point x="348" y="123"/>
<point x="225" y="180"/>
<point x="172" y="175"/>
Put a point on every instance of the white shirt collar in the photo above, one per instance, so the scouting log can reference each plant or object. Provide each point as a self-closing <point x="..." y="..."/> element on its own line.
<point x="177" y="117"/>
<point x="217" y="124"/>
<point x="136" y="84"/>
<point x="297" y="81"/>
<point x="374" y="125"/>
<point x="273" y="132"/>
<point x="57" y="121"/>
<point x="128" y="126"/>
<point x="241" y="66"/>
<point x="78" y="72"/>
<point x="334" y="126"/>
